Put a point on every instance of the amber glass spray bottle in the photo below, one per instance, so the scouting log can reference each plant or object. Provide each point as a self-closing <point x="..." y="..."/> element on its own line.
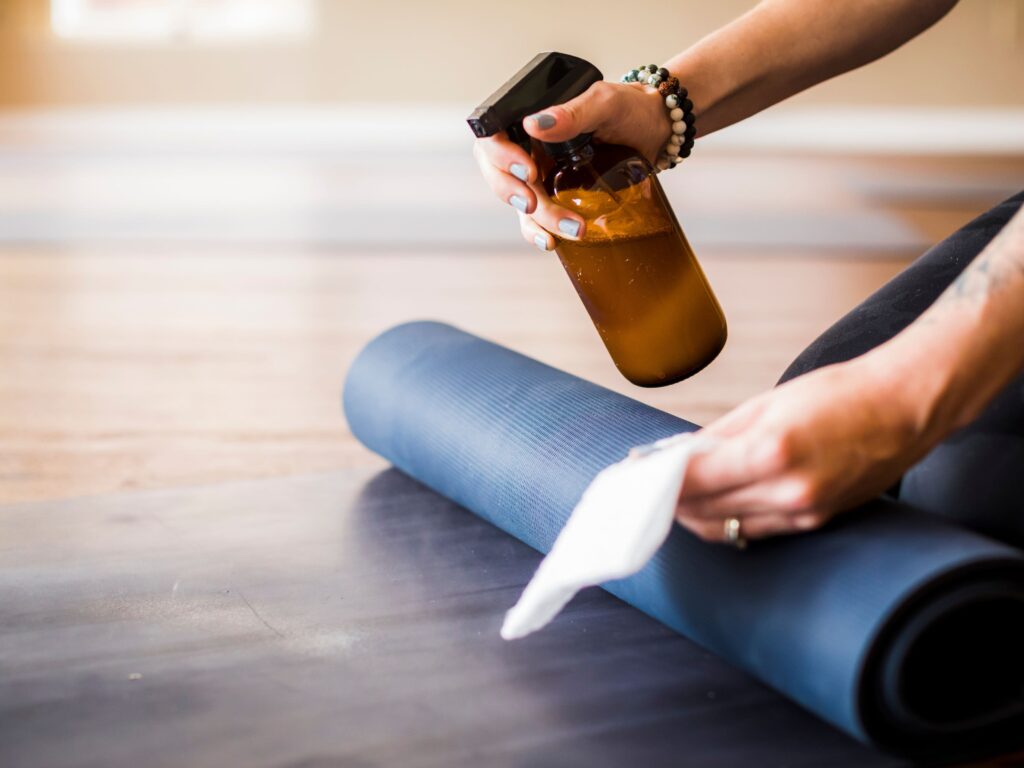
<point x="633" y="268"/>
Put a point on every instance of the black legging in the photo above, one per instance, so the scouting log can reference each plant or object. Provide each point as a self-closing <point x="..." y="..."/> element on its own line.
<point x="976" y="476"/>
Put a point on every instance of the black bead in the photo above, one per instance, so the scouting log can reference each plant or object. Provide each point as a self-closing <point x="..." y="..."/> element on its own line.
<point x="689" y="118"/>
<point x="688" y="144"/>
<point x="664" y="74"/>
<point x="690" y="132"/>
<point x="684" y="151"/>
<point x="652" y="68"/>
<point x="686" y="105"/>
<point x="683" y="93"/>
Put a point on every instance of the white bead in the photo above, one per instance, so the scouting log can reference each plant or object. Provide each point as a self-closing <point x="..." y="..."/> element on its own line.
<point x="654" y="80"/>
<point x="678" y="127"/>
<point x="677" y="140"/>
<point x="663" y="164"/>
<point x="672" y="150"/>
<point x="677" y="160"/>
<point x="676" y="114"/>
<point x="671" y="101"/>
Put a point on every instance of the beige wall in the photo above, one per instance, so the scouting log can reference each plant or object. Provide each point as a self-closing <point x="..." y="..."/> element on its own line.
<point x="459" y="50"/>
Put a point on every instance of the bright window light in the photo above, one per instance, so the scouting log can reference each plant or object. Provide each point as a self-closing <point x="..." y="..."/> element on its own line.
<point x="200" y="21"/>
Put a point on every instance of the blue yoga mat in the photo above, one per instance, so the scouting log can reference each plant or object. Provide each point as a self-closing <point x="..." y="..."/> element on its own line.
<point x="899" y="628"/>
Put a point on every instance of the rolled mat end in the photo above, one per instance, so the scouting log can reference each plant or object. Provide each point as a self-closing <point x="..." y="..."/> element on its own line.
<point x="900" y="629"/>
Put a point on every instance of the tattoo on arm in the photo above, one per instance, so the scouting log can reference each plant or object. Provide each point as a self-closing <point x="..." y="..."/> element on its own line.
<point x="1000" y="265"/>
<point x="970" y="338"/>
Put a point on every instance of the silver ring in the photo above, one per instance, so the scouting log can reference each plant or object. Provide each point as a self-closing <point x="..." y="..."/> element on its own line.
<point x="734" y="532"/>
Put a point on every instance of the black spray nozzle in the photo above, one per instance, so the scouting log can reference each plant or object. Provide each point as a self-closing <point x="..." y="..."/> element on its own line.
<point x="550" y="78"/>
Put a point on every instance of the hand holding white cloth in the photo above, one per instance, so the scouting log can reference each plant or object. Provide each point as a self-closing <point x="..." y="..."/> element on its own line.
<point x="622" y="519"/>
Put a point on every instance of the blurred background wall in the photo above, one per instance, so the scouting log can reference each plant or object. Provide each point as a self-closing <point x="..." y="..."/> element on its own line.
<point x="454" y="51"/>
<point x="324" y="122"/>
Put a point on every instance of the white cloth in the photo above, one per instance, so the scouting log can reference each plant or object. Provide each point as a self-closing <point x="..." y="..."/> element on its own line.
<point x="622" y="519"/>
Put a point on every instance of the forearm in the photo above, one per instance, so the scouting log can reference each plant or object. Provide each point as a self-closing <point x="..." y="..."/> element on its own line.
<point x="782" y="47"/>
<point x="968" y="345"/>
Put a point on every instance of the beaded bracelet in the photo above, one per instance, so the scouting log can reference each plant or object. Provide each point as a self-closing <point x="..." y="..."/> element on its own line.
<point x="680" y="111"/>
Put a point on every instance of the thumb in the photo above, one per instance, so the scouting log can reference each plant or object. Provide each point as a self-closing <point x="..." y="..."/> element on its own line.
<point x="737" y="420"/>
<point x="586" y="113"/>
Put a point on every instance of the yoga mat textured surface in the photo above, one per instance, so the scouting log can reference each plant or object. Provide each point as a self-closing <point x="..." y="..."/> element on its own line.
<point x="898" y="628"/>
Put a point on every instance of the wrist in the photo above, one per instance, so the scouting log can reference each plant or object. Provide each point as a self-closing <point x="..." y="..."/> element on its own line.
<point x="897" y="404"/>
<point x="705" y="82"/>
<point x="717" y="74"/>
<point x="672" y="129"/>
<point x="922" y="371"/>
<point x="658" y="122"/>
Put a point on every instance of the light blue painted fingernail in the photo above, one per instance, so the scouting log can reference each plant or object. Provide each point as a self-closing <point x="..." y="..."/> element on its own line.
<point x="544" y="120"/>
<point x="541" y="242"/>
<point x="520" y="171"/>
<point x="518" y="202"/>
<point x="570" y="227"/>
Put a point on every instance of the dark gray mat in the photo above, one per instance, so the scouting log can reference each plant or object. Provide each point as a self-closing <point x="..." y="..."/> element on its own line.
<point x="344" y="619"/>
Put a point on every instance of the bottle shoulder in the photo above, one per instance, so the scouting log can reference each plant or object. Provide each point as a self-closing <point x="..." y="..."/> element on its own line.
<point x="612" y="167"/>
<point x="616" y="193"/>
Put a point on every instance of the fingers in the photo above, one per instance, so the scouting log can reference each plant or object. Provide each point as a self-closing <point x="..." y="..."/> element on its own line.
<point x="508" y="188"/>
<point x="507" y="156"/>
<point x="544" y="217"/>
<point x="586" y="113"/>
<point x="770" y="525"/>
<point x="540" y="236"/>
<point x="508" y="170"/>
<point x="736" y="420"/>
<point x="756" y="527"/>
<point x="733" y="463"/>
<point x="535" y="234"/>
<point x="787" y="505"/>
<point x="556" y="219"/>
<point x="759" y="528"/>
<point x="786" y="495"/>
<point x="504" y="165"/>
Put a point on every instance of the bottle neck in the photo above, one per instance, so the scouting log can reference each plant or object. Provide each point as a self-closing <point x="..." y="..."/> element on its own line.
<point x="580" y="156"/>
<point x="576" y="151"/>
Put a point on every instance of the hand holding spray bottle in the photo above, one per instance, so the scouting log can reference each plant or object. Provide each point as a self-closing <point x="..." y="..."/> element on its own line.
<point x="633" y="269"/>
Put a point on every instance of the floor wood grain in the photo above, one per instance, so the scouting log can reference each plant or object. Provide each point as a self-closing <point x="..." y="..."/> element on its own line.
<point x="176" y="308"/>
<point x="150" y="368"/>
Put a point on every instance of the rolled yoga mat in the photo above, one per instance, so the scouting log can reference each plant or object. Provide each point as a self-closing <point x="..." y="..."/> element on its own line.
<point x="898" y="628"/>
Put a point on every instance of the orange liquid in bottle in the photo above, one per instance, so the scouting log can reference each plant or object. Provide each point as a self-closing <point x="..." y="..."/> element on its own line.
<point x="634" y="269"/>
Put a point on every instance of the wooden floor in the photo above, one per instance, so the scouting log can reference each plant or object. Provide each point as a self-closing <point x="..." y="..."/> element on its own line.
<point x="177" y="316"/>
<point x="151" y="369"/>
<point x="135" y="361"/>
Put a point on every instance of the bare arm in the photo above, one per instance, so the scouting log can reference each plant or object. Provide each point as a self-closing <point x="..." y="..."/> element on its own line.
<point x="782" y="47"/>
<point x="840" y="435"/>
<point x="794" y="456"/>
<point x="972" y="338"/>
<point x="777" y="49"/>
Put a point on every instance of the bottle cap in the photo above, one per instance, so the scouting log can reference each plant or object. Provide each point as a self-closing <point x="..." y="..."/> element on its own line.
<point x="548" y="79"/>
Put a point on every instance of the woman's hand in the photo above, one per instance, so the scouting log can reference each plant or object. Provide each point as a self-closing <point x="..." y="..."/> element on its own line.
<point x="728" y="76"/>
<point x="616" y="113"/>
<point x="822" y="443"/>
<point x="791" y="458"/>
